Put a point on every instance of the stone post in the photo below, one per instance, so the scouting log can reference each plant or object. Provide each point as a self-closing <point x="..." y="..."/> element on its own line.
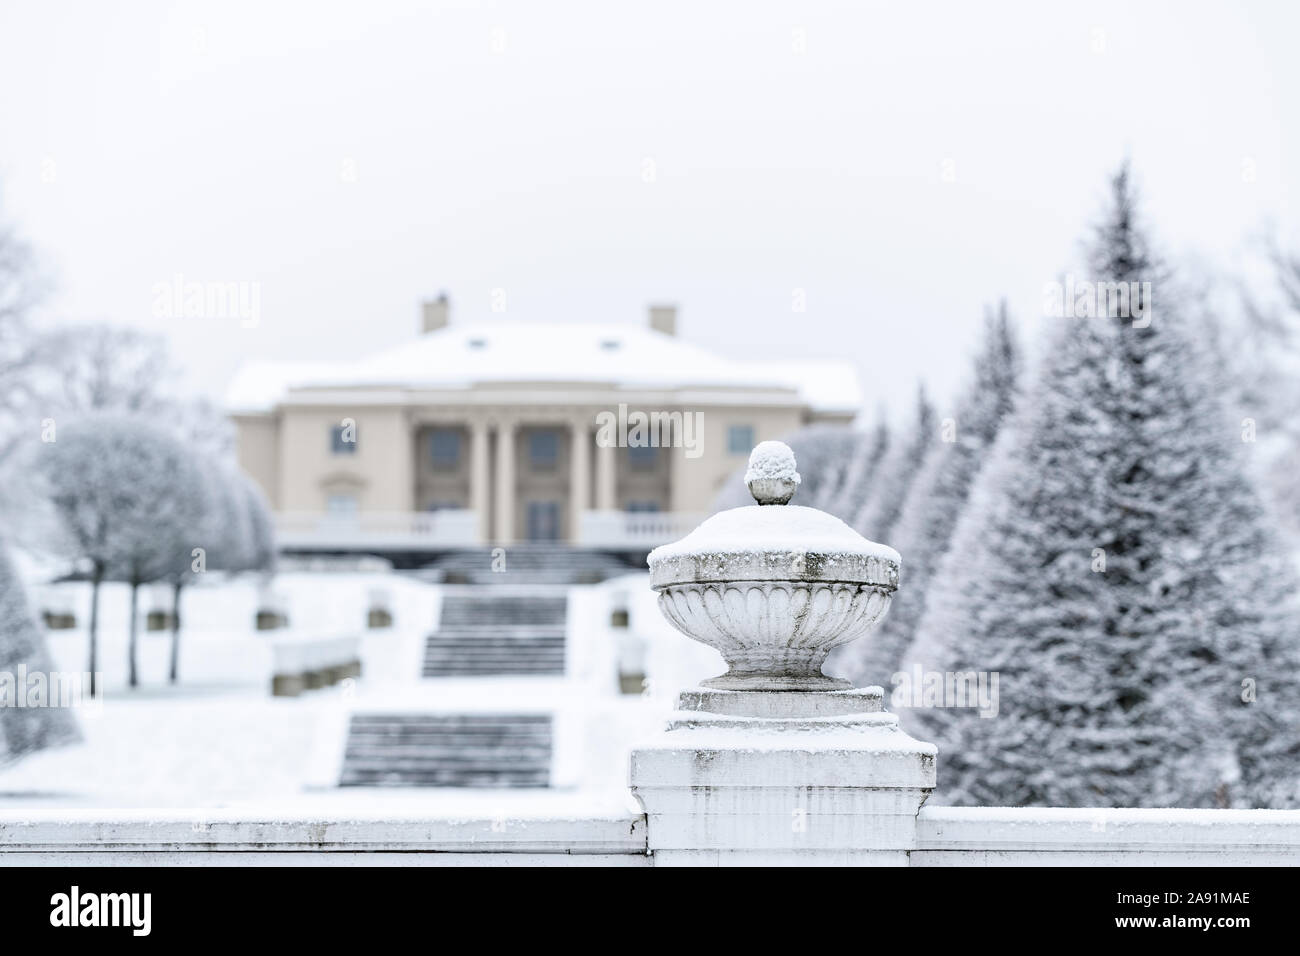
<point x="480" y="492"/>
<point x="774" y="763"/>
<point x="505" y="477"/>
<point x="579" y="477"/>
<point x="606" y="478"/>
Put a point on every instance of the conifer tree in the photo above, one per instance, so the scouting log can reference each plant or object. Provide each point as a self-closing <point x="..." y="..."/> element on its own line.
<point x="26" y="729"/>
<point x="1116" y="570"/>
<point x="890" y="481"/>
<point x="938" y="494"/>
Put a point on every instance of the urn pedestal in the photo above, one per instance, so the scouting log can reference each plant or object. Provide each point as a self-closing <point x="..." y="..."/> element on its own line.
<point x="774" y="762"/>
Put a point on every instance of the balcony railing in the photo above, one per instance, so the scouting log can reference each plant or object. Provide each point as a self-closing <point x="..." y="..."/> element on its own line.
<point x="457" y="528"/>
<point x="635" y="529"/>
<point x="451" y="527"/>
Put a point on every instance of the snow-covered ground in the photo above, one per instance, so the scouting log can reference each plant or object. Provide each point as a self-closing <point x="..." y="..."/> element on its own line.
<point x="219" y="739"/>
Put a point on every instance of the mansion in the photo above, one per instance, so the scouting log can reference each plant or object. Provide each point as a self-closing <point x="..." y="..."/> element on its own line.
<point x="611" y="436"/>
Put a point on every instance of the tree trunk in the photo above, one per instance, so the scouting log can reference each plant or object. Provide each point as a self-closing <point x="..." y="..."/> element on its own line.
<point x="173" y="672"/>
<point x="94" y="624"/>
<point x="133" y="678"/>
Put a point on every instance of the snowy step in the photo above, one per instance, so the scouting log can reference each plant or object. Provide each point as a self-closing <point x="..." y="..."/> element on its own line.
<point x="520" y="611"/>
<point x="478" y="781"/>
<point x="476" y="631"/>
<point x="448" y="750"/>
<point x="492" y="669"/>
<point x="532" y="563"/>
<point x="439" y="722"/>
<point x="489" y="652"/>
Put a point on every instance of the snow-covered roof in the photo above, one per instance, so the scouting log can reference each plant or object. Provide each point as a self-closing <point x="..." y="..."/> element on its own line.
<point x="532" y="352"/>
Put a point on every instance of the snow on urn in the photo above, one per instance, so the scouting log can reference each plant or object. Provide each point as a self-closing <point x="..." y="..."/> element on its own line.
<point x="774" y="589"/>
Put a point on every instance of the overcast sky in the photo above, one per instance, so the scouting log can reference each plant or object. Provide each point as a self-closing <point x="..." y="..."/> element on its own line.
<point x="902" y="164"/>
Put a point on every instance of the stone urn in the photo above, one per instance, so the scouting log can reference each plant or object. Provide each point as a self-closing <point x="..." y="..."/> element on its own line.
<point x="774" y="763"/>
<point x="774" y="587"/>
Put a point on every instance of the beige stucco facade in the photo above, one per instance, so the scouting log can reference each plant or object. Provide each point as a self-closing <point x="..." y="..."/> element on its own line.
<point x="527" y="458"/>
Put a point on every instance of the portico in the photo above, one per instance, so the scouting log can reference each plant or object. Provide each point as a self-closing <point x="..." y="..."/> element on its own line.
<point x="490" y="434"/>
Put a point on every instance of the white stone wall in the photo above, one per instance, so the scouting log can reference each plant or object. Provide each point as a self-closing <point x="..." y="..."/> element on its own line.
<point x="945" y="836"/>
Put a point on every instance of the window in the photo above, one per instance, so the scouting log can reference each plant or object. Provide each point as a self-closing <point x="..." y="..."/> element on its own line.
<point x="444" y="449"/>
<point x="740" y="439"/>
<point x="543" y="450"/>
<point x="642" y="457"/>
<point x="642" y="507"/>
<point x="343" y="438"/>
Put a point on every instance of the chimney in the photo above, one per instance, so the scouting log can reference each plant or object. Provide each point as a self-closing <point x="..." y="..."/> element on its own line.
<point x="436" y="314"/>
<point x="663" y="318"/>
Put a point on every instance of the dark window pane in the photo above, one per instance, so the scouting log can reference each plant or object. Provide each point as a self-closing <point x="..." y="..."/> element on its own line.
<point x="343" y="441"/>
<point x="444" y="446"/>
<point x="643" y="457"/>
<point x="740" y="439"/>
<point x="543" y="450"/>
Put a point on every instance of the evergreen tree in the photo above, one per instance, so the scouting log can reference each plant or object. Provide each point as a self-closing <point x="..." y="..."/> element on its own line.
<point x="25" y="730"/>
<point x="1116" y="571"/>
<point x="870" y="451"/>
<point x="889" y="482"/>
<point x="937" y="496"/>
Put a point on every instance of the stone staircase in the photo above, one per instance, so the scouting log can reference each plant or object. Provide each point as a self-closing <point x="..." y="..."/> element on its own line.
<point x="493" y="625"/>
<point x="448" y="750"/>
<point x="487" y="633"/>
<point x="532" y="563"/>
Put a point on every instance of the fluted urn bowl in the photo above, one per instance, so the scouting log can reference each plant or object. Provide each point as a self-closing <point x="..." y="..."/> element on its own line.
<point x="774" y="588"/>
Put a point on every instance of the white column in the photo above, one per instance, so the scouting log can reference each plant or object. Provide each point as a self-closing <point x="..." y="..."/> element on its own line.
<point x="480" y="491"/>
<point x="505" y="490"/>
<point x="579" y="477"/>
<point x="606" y="493"/>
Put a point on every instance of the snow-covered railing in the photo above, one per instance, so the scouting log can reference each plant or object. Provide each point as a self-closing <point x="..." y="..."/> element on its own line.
<point x="1049" y="836"/>
<point x="449" y="527"/>
<point x="633" y="529"/>
<point x="268" y="836"/>
<point x="945" y="836"/>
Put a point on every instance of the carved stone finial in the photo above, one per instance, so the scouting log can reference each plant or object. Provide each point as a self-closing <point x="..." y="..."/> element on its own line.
<point x="772" y="478"/>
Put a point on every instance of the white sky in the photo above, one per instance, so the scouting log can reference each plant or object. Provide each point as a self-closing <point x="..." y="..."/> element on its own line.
<point x="141" y="140"/>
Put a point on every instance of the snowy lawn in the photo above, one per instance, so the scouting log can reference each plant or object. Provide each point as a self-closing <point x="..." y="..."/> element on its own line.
<point x="218" y="739"/>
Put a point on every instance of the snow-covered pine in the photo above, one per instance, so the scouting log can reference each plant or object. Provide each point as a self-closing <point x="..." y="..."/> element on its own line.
<point x="890" y="481"/>
<point x="826" y="455"/>
<point x="126" y="493"/>
<point x="937" y="496"/>
<point x="1116" y="571"/>
<point x="25" y="730"/>
<point x="869" y="452"/>
<point x="1261" y="362"/>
